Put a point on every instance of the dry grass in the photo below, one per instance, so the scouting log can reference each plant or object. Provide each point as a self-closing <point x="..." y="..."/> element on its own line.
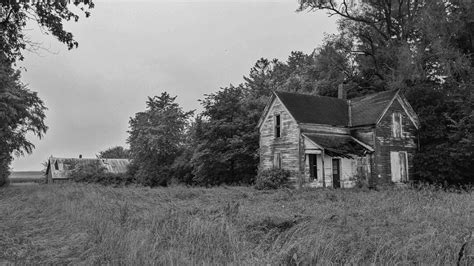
<point x="89" y="224"/>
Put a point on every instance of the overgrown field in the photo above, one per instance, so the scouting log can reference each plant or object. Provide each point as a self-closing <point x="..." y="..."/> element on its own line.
<point x="76" y="223"/>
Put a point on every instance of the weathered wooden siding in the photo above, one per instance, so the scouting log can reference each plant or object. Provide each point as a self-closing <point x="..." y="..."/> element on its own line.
<point x="385" y="142"/>
<point x="288" y="145"/>
<point x="349" y="171"/>
<point x="365" y="134"/>
<point x="314" y="128"/>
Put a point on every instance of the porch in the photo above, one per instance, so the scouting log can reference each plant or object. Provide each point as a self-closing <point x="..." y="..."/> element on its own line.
<point x="336" y="161"/>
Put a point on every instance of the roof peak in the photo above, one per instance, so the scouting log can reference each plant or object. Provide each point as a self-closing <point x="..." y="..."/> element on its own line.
<point x="310" y="95"/>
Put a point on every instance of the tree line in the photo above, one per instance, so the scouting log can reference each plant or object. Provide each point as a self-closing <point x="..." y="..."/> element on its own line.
<point x="425" y="48"/>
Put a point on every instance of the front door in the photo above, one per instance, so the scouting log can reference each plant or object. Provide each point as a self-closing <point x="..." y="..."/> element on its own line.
<point x="313" y="167"/>
<point x="336" y="173"/>
<point x="399" y="167"/>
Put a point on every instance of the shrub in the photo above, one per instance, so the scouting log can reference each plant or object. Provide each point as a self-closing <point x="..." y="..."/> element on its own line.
<point x="272" y="179"/>
<point x="94" y="172"/>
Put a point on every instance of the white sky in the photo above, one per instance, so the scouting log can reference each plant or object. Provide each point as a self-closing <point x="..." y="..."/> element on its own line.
<point x="129" y="50"/>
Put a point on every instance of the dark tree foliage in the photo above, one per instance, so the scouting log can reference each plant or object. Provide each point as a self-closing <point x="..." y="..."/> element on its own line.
<point x="156" y="139"/>
<point x="228" y="140"/>
<point x="21" y="113"/>
<point x="117" y="152"/>
<point x="21" y="110"/>
<point x="423" y="47"/>
<point x="182" y="169"/>
<point x="50" y="16"/>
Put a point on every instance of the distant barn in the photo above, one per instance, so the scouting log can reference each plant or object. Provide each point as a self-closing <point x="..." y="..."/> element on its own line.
<point x="59" y="169"/>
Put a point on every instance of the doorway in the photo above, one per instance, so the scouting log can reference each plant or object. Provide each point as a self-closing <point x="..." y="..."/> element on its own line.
<point x="336" y="173"/>
<point x="313" y="167"/>
<point x="399" y="166"/>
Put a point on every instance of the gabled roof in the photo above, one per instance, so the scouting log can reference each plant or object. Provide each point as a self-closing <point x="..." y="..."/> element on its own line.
<point x="361" y="111"/>
<point x="339" y="145"/>
<point x="367" y="110"/>
<point x="315" y="109"/>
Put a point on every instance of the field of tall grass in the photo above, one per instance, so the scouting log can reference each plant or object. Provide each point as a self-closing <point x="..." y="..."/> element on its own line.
<point x="92" y="224"/>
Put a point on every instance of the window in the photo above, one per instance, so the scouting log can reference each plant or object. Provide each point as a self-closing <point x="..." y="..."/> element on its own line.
<point x="313" y="166"/>
<point x="277" y="160"/>
<point x="397" y="125"/>
<point x="56" y="166"/>
<point x="277" y="126"/>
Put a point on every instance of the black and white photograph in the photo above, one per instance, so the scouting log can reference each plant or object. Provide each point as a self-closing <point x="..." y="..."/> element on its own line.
<point x="236" y="132"/>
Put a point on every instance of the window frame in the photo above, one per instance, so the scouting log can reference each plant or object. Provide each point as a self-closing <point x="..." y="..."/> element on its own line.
<point x="277" y="125"/>
<point x="313" y="168"/>
<point x="277" y="160"/>
<point x="397" y="132"/>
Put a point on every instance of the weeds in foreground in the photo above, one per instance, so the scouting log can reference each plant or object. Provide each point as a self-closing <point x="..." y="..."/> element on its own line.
<point x="91" y="224"/>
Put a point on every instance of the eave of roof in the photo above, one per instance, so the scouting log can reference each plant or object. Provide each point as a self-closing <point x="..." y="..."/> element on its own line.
<point x="339" y="145"/>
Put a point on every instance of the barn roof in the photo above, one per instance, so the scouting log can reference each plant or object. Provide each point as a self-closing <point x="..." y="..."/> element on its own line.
<point x="111" y="165"/>
<point x="339" y="145"/>
<point x="366" y="110"/>
<point x="316" y="109"/>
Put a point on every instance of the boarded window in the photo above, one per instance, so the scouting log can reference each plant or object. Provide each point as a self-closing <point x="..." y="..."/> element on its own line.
<point x="397" y="125"/>
<point x="277" y="126"/>
<point x="277" y="160"/>
<point x="399" y="166"/>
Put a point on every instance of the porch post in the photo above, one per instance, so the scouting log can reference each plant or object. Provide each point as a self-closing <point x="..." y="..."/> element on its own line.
<point x="322" y="162"/>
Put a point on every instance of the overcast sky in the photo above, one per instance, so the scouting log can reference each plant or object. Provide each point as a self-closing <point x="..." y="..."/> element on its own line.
<point x="129" y="50"/>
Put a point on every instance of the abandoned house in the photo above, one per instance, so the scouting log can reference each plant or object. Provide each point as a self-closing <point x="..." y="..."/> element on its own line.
<point x="59" y="169"/>
<point x="334" y="142"/>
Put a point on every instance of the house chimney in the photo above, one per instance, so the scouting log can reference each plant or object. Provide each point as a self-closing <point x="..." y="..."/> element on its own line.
<point x="341" y="92"/>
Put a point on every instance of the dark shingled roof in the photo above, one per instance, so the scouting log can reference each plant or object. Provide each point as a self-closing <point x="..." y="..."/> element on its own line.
<point x="338" y="145"/>
<point x="316" y="109"/>
<point x="366" y="110"/>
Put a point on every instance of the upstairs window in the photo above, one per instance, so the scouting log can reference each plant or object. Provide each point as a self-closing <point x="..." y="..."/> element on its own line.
<point x="277" y="126"/>
<point x="397" y="125"/>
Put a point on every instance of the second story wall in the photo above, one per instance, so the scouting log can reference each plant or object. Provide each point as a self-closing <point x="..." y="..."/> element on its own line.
<point x="393" y="134"/>
<point x="286" y="146"/>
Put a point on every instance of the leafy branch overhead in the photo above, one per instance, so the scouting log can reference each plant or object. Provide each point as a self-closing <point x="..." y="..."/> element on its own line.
<point x="21" y="110"/>
<point x="49" y="15"/>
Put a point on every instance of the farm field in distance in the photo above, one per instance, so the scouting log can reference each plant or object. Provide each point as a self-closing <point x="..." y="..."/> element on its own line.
<point x="26" y="176"/>
<point x="82" y="223"/>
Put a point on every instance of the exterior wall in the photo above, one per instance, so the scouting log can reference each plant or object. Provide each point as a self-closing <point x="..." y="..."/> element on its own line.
<point x="365" y="134"/>
<point x="313" y="128"/>
<point x="385" y="142"/>
<point x="288" y="144"/>
<point x="49" y="177"/>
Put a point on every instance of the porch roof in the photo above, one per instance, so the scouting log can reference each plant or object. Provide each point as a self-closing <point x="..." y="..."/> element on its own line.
<point x="339" y="145"/>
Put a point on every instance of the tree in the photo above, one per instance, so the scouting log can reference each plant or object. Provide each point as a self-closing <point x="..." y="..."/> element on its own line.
<point x="21" y="112"/>
<point x="419" y="47"/>
<point x="226" y="152"/>
<point x="156" y="139"/>
<point x="117" y="152"/>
